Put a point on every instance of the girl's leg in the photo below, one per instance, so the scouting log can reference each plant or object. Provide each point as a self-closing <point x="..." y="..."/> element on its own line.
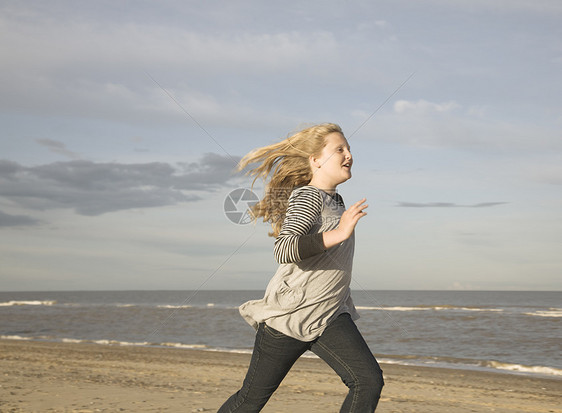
<point x="342" y="346"/>
<point x="274" y="355"/>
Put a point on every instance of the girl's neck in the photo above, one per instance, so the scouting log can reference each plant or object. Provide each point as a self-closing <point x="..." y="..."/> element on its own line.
<point x="326" y="185"/>
<point x="330" y="191"/>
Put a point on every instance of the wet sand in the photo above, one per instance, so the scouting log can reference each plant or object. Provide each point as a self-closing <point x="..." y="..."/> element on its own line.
<point x="63" y="377"/>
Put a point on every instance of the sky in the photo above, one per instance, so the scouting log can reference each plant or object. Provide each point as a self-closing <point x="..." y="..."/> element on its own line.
<point x="122" y="123"/>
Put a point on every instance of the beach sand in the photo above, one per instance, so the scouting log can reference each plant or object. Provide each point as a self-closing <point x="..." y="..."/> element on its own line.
<point x="63" y="377"/>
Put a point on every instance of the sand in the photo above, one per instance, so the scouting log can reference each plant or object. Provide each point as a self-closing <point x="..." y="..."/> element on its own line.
<point x="63" y="377"/>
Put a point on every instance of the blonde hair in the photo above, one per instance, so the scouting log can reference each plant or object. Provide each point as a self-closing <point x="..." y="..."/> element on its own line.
<point x="289" y="161"/>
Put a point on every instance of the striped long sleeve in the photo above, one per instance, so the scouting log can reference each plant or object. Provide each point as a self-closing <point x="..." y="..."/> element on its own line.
<point x="294" y="242"/>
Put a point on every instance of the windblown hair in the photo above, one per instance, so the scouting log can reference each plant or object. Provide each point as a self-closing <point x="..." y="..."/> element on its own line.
<point x="287" y="165"/>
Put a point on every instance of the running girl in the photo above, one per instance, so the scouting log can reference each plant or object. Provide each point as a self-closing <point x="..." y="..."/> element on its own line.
<point x="307" y="304"/>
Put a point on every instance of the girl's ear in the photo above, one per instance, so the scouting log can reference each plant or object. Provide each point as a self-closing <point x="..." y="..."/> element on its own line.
<point x="314" y="162"/>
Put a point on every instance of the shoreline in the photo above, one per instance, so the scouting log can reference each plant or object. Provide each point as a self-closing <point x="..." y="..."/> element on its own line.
<point x="84" y="377"/>
<point x="412" y="361"/>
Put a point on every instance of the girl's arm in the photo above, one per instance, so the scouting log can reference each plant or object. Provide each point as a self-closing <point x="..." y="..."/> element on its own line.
<point x="294" y="243"/>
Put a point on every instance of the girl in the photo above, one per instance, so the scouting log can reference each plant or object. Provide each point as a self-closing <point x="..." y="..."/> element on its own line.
<point x="307" y="304"/>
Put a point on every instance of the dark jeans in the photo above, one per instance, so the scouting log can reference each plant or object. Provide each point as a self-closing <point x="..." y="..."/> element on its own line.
<point x="341" y="346"/>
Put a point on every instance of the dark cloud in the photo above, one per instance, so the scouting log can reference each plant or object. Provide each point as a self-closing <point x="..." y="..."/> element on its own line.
<point x="57" y="147"/>
<point x="486" y="204"/>
<point x="7" y="220"/>
<point x="211" y="170"/>
<point x="446" y="205"/>
<point x="92" y="188"/>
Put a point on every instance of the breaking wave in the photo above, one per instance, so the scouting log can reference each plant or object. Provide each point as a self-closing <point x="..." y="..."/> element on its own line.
<point x="552" y="312"/>
<point x="445" y="307"/>
<point x="34" y="302"/>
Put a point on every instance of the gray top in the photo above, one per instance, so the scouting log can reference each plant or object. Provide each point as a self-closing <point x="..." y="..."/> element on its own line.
<point x="311" y="285"/>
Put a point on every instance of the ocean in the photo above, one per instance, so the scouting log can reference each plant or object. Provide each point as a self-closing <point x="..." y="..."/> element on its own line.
<point x="515" y="332"/>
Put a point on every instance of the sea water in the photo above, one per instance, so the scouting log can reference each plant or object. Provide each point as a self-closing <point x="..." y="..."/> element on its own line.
<point x="517" y="332"/>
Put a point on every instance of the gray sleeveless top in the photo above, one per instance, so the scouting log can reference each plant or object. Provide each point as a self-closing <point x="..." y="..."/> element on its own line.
<point x="311" y="285"/>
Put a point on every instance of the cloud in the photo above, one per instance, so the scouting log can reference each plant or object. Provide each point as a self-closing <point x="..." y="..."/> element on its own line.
<point x="57" y="147"/>
<point x="98" y="69"/>
<point x="96" y="188"/>
<point x="423" y="106"/>
<point x="8" y="220"/>
<point x="459" y="126"/>
<point x="446" y="205"/>
<point x="544" y="7"/>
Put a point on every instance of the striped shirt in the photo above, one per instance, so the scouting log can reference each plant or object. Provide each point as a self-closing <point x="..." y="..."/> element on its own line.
<point x="294" y="242"/>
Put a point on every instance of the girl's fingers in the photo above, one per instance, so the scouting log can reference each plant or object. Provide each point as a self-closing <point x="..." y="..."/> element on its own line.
<point x="356" y="212"/>
<point x="357" y="205"/>
<point x="360" y="204"/>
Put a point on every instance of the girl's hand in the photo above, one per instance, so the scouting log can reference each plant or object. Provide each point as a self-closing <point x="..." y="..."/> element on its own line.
<point x="348" y="221"/>
<point x="349" y="218"/>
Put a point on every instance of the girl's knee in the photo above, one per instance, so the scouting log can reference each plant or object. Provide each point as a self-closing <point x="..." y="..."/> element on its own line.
<point x="374" y="381"/>
<point x="380" y="379"/>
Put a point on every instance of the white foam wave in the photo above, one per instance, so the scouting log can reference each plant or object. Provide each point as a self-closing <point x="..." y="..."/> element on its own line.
<point x="495" y="310"/>
<point x="231" y="350"/>
<point x="120" y="343"/>
<point x="552" y="312"/>
<point x="551" y="371"/>
<point x="174" y="306"/>
<point x="428" y="308"/>
<point x="395" y="308"/>
<point x="34" y="302"/>
<point x="209" y="306"/>
<point x="145" y="343"/>
<point x="181" y="345"/>
<point x="12" y="337"/>
<point x="472" y="365"/>
<point x="72" y="340"/>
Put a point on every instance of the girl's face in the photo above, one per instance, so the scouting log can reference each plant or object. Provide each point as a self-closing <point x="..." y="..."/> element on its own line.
<point x="333" y="166"/>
